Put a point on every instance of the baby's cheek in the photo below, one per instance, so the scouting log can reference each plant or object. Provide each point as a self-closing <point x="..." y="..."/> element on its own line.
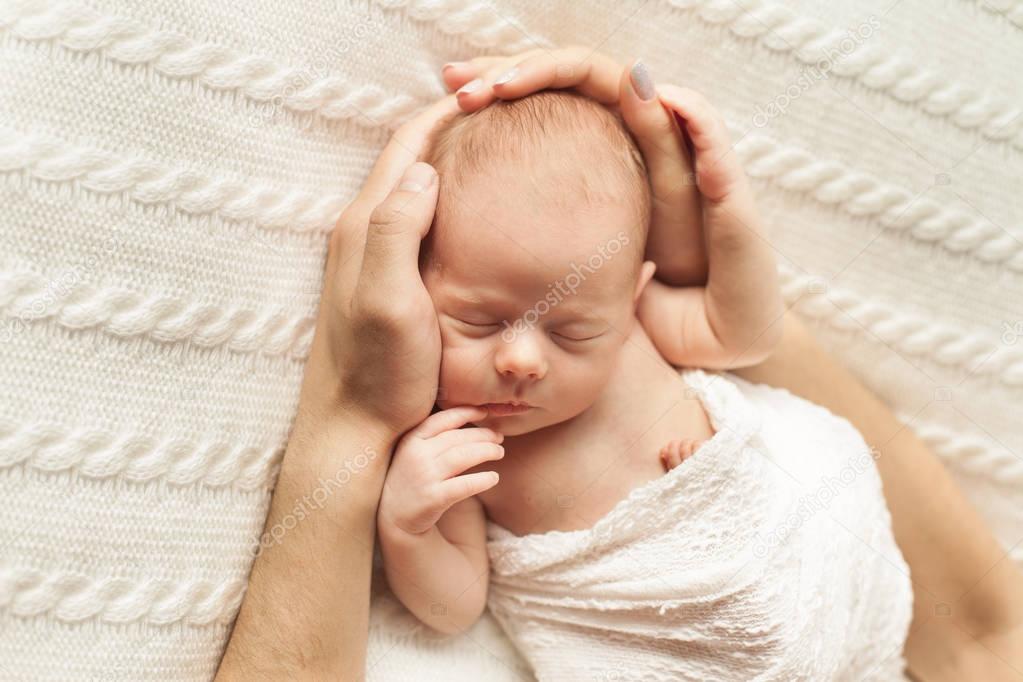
<point x="461" y="368"/>
<point x="585" y="378"/>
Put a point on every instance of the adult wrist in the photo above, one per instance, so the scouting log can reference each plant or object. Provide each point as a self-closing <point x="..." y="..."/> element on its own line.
<point x="338" y="448"/>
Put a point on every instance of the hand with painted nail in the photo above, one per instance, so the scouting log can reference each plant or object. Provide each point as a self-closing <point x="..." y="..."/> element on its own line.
<point x="702" y="212"/>
<point x="735" y="320"/>
<point x="675" y="242"/>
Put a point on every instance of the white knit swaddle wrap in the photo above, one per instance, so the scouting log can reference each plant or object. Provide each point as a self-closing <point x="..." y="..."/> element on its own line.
<point x="767" y="555"/>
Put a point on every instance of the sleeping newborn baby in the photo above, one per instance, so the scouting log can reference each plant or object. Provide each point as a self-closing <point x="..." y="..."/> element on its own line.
<point x="624" y="519"/>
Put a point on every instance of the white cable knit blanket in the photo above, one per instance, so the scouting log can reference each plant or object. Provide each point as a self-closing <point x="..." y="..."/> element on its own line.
<point x="768" y="555"/>
<point x="168" y="173"/>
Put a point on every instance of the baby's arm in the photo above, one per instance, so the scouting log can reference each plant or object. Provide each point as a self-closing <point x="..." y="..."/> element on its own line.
<point x="432" y="529"/>
<point x="735" y="320"/>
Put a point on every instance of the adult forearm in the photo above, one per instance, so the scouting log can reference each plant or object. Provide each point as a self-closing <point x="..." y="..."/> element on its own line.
<point x="964" y="587"/>
<point x="305" y="614"/>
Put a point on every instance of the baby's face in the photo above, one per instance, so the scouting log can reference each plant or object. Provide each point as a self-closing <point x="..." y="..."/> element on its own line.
<point x="534" y="300"/>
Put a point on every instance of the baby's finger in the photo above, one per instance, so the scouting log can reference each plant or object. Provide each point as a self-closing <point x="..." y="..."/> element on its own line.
<point x="688" y="447"/>
<point x="460" y="488"/>
<point x="463" y="457"/>
<point x="455" y="437"/>
<point x="449" y="419"/>
<point x="718" y="171"/>
<point x="669" y="457"/>
<point x="676" y="233"/>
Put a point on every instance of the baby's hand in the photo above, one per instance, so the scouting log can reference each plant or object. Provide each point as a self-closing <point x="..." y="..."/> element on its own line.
<point x="423" y="480"/>
<point x="678" y="451"/>
<point x="735" y="320"/>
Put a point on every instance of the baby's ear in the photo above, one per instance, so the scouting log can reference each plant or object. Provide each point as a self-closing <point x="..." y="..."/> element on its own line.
<point x="646" y="271"/>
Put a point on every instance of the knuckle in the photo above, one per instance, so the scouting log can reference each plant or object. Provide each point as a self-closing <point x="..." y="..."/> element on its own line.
<point x="386" y="218"/>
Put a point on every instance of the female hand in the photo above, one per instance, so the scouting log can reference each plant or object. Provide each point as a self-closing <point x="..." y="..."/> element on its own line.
<point x="676" y="239"/>
<point x="376" y="352"/>
<point x="704" y="229"/>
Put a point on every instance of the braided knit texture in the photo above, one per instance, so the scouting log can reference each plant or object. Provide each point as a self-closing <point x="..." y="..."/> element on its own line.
<point x="75" y="598"/>
<point x="888" y="72"/>
<point x="149" y="183"/>
<point x="169" y="175"/>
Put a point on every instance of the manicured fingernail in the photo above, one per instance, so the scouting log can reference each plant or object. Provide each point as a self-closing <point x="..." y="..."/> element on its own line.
<point x="641" y="81"/>
<point x="417" y="177"/>
<point x="471" y="86"/>
<point x="506" y="76"/>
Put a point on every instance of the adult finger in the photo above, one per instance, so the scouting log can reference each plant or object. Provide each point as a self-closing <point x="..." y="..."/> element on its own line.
<point x="404" y="148"/>
<point x="348" y="240"/>
<point x="589" y="73"/>
<point x="396" y="229"/>
<point x="477" y="91"/>
<point x="718" y="171"/>
<point x="457" y="74"/>
<point x="451" y="418"/>
<point x="676" y="233"/>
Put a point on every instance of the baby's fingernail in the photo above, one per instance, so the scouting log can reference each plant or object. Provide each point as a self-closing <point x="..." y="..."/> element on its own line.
<point x="506" y="76"/>
<point x="471" y="86"/>
<point x="641" y="81"/>
<point x="451" y="65"/>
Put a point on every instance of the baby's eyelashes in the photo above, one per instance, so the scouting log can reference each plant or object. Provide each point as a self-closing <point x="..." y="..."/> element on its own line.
<point x="577" y="339"/>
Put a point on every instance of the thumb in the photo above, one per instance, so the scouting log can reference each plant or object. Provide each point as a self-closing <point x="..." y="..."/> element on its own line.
<point x="396" y="229"/>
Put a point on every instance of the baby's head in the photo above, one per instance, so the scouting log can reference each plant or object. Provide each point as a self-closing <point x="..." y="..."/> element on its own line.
<point x="535" y="258"/>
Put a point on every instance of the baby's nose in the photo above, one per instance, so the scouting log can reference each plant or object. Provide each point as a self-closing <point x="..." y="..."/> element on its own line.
<point x="521" y="358"/>
<point x="525" y="372"/>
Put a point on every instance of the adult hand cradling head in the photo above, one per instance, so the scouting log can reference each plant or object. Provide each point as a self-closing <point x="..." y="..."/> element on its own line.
<point x="376" y="351"/>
